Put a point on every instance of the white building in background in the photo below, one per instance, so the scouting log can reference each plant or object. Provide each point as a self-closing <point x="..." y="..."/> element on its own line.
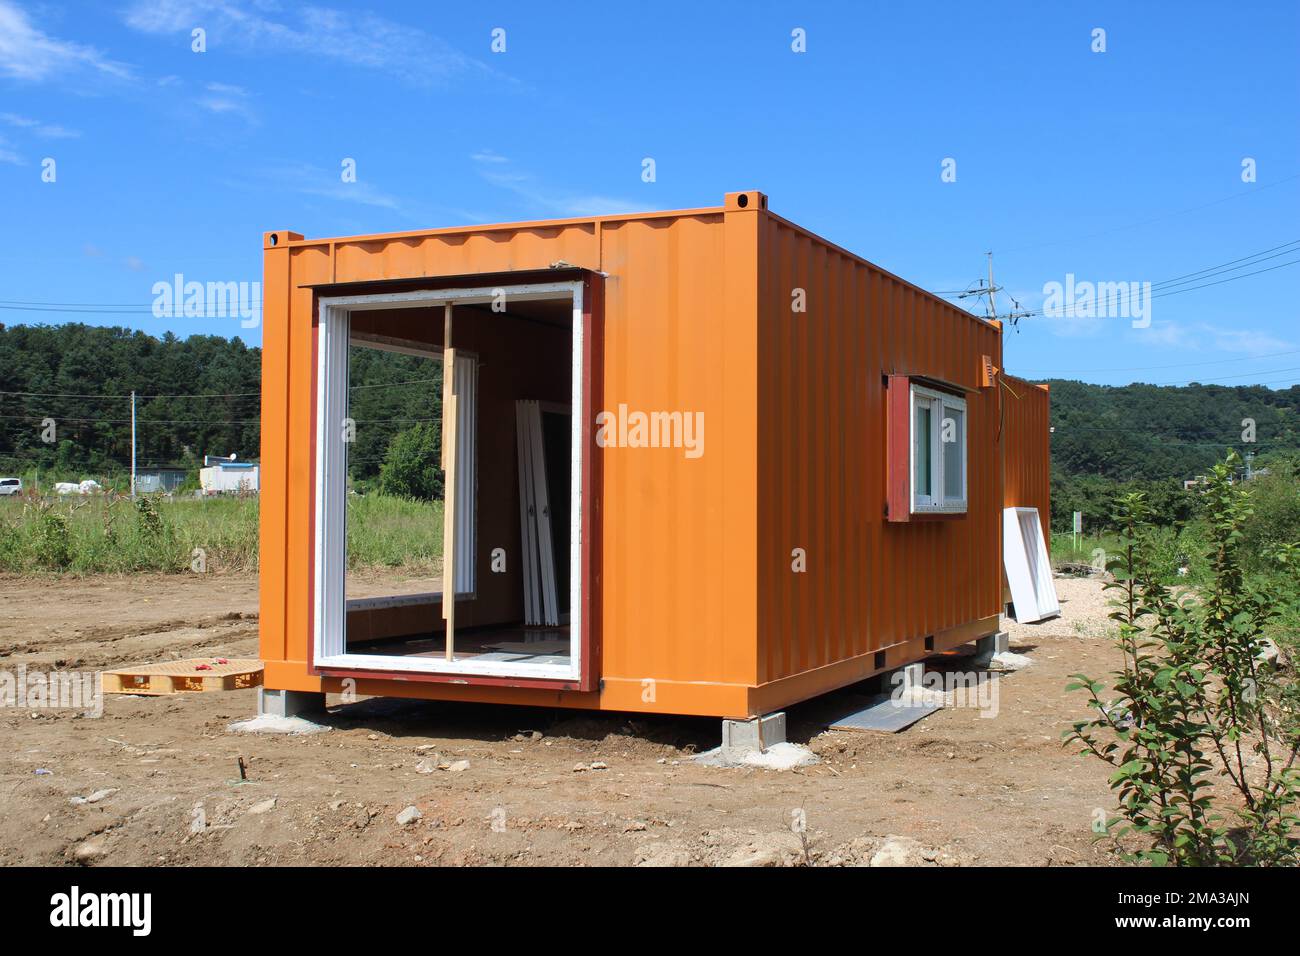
<point x="228" y="476"/>
<point x="159" y="480"/>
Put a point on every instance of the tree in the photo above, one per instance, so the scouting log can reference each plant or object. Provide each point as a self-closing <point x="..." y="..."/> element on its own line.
<point x="411" y="467"/>
<point x="1197" y="700"/>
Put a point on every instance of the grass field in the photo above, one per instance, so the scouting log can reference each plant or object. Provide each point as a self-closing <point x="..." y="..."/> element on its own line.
<point x="1066" y="549"/>
<point x="110" y="534"/>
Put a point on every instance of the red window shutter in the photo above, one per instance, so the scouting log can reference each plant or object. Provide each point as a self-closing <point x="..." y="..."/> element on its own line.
<point x="898" y="449"/>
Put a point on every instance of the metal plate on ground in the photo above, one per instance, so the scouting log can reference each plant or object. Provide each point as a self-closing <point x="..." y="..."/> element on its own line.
<point x="884" y="715"/>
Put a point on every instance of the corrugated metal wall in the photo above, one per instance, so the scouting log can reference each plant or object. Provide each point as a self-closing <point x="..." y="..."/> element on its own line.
<point x="678" y="532"/>
<point x="822" y="465"/>
<point x="1027" y="444"/>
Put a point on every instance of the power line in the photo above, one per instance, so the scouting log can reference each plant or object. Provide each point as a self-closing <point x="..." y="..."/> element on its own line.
<point x="127" y="421"/>
<point x="141" y="395"/>
<point x="1105" y="232"/>
<point x="413" y="381"/>
<point x="1155" y="290"/>
<point x="1209" y="381"/>
<point x="132" y="310"/>
<point x="1273" y="443"/>
<point x="88" y="305"/>
<point x="127" y="395"/>
<point x="1220" y="267"/>
<point x="1244" y="275"/>
<point x="1105" y="305"/>
<point x="1147" y="368"/>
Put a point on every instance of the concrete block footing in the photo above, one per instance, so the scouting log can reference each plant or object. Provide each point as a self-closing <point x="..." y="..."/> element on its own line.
<point x="993" y="644"/>
<point x="913" y="678"/>
<point x="289" y="703"/>
<point x="757" y="733"/>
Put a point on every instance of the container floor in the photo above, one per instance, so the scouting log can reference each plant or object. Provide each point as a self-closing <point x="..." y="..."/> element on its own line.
<point x="516" y="644"/>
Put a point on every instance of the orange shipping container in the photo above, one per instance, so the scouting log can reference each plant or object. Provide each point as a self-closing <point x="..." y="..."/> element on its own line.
<point x="1027" y="435"/>
<point x="705" y="463"/>
<point x="1027" y="424"/>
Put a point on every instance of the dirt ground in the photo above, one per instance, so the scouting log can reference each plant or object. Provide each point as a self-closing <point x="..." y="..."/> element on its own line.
<point x="969" y="789"/>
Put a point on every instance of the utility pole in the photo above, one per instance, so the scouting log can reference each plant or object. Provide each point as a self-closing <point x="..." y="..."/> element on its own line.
<point x="993" y="302"/>
<point x="132" y="444"/>
<point x="991" y="291"/>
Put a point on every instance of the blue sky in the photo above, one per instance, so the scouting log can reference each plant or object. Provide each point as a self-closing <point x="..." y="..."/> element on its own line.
<point x="1115" y="166"/>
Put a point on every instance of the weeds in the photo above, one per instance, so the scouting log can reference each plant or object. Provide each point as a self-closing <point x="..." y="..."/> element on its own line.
<point x="113" y="534"/>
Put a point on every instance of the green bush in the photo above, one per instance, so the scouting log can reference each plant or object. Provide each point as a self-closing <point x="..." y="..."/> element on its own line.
<point x="1195" y="701"/>
<point x="149" y="521"/>
<point x="53" y="545"/>
<point x="411" y="467"/>
<point x="1276" y="517"/>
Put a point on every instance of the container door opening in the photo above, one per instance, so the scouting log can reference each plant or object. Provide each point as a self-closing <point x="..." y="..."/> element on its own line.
<point x="386" y="486"/>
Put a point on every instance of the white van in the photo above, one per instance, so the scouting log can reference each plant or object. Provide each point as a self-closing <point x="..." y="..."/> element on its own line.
<point x="11" y="486"/>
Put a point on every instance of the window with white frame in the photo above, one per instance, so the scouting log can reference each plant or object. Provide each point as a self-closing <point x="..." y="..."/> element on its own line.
<point x="938" y="448"/>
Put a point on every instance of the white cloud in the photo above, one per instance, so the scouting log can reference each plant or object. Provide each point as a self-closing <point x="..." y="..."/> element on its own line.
<point x="1207" y="337"/>
<point x="48" y="130"/>
<point x="7" y="155"/>
<point x="357" y="38"/>
<point x="1249" y="341"/>
<point x="315" y="181"/>
<point x="226" y="98"/>
<point x="497" y="170"/>
<point x="31" y="55"/>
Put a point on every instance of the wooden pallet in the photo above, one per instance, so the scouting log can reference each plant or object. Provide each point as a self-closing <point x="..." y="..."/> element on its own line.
<point x="181" y="677"/>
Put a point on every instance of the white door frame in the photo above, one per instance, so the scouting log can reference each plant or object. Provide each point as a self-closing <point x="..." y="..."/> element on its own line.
<point x="329" y="637"/>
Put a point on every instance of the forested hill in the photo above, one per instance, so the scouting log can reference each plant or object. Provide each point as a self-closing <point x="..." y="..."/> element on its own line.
<point x="1109" y="440"/>
<point x="202" y="393"/>
<point x="195" y="396"/>
<point x="1156" y="432"/>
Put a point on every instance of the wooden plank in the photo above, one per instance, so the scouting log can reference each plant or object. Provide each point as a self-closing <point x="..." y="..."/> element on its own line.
<point x="448" y="374"/>
<point x="449" y="523"/>
<point x="448" y="448"/>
